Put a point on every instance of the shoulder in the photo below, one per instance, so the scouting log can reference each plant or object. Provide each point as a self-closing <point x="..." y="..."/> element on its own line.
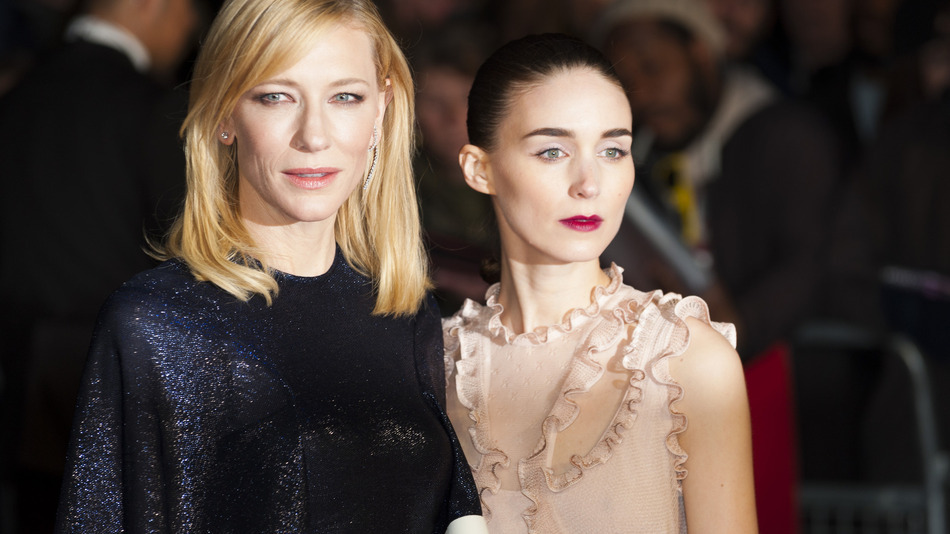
<point x="427" y="319"/>
<point x="709" y="371"/>
<point x="670" y="312"/>
<point x="700" y="352"/>
<point x="155" y="293"/>
<point x="429" y="310"/>
<point x="460" y="333"/>
<point x="470" y="316"/>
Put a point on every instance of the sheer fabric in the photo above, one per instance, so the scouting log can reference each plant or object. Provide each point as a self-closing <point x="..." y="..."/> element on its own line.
<point x="573" y="427"/>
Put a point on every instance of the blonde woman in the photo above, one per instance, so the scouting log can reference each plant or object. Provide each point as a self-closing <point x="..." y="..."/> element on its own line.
<point x="281" y="371"/>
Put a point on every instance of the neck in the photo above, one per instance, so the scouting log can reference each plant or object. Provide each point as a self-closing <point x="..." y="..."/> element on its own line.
<point x="539" y="295"/>
<point x="301" y="249"/>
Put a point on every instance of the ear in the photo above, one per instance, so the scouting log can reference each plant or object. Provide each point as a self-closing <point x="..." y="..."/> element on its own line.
<point x="476" y="166"/>
<point x="385" y="97"/>
<point x="226" y="128"/>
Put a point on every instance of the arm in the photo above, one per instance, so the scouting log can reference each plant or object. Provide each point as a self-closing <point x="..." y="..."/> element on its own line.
<point x="92" y="495"/>
<point x="463" y="505"/>
<point x="114" y="479"/>
<point x="718" y="491"/>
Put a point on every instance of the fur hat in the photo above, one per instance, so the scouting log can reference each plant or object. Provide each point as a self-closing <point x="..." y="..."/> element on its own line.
<point x="693" y="15"/>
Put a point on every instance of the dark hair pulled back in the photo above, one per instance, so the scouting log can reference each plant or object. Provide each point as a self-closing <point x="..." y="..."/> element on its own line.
<point x="517" y="67"/>
<point x="514" y="68"/>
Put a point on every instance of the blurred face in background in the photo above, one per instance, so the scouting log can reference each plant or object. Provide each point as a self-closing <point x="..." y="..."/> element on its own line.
<point x="171" y="33"/>
<point x="873" y="22"/>
<point x="672" y="85"/>
<point x="745" y="22"/>
<point x="441" y="107"/>
<point x="935" y="58"/>
<point x="819" y="30"/>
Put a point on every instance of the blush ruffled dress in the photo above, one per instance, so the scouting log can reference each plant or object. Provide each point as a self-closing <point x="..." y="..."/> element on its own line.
<point x="573" y="427"/>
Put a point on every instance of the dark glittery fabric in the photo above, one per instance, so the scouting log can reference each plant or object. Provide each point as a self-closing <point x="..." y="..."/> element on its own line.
<point x="201" y="413"/>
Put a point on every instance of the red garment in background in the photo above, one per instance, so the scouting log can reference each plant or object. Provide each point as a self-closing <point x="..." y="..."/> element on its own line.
<point x="774" y="450"/>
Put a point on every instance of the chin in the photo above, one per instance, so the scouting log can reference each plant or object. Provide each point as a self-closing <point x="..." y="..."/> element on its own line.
<point x="581" y="255"/>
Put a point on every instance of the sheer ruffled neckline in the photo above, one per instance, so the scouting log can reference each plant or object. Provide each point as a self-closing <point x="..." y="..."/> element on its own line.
<point x="659" y="332"/>
<point x="571" y="320"/>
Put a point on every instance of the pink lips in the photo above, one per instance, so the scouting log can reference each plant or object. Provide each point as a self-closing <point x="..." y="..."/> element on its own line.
<point x="308" y="178"/>
<point x="583" y="223"/>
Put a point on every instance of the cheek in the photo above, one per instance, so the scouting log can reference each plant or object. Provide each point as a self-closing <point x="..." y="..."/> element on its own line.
<point x="355" y="137"/>
<point x="254" y="152"/>
<point x="510" y="200"/>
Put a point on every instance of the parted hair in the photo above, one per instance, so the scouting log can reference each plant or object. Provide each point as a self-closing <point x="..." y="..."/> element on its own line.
<point x="377" y="229"/>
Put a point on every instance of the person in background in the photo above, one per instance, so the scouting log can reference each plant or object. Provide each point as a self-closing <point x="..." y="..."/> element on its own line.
<point x="454" y="217"/>
<point x="715" y="158"/>
<point x="904" y="174"/>
<point x="282" y="370"/>
<point x="750" y="29"/>
<point x="91" y="163"/>
<point x="589" y="406"/>
<point x="748" y="185"/>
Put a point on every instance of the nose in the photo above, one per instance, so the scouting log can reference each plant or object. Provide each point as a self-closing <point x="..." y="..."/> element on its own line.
<point x="311" y="134"/>
<point x="586" y="182"/>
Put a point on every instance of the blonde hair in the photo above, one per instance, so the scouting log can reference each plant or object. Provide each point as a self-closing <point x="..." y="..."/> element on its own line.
<point x="377" y="229"/>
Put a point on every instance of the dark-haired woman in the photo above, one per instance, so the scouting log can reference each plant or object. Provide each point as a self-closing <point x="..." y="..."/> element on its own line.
<point x="589" y="406"/>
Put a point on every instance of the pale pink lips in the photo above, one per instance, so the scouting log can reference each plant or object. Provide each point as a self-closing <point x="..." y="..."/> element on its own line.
<point x="583" y="223"/>
<point x="307" y="178"/>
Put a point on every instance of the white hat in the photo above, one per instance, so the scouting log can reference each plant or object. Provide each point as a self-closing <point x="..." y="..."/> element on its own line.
<point x="693" y="15"/>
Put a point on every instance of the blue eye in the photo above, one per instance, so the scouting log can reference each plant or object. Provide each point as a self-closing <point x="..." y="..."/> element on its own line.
<point x="273" y="98"/>
<point x="347" y="98"/>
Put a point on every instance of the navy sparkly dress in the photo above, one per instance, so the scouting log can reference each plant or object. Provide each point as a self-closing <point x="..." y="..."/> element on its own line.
<point x="202" y="413"/>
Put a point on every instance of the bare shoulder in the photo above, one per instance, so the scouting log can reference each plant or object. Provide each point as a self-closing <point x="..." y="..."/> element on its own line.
<point x="718" y="491"/>
<point x="709" y="370"/>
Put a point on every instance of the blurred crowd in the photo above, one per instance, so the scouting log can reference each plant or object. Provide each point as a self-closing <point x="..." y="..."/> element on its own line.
<point x="792" y="159"/>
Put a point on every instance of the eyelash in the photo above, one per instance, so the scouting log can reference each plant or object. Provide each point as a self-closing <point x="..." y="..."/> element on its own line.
<point x="621" y="153"/>
<point x="541" y="155"/>
<point x="264" y="98"/>
<point x="352" y="98"/>
<point x="356" y="99"/>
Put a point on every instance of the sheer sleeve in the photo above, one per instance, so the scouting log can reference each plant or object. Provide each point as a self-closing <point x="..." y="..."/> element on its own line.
<point x="462" y="499"/>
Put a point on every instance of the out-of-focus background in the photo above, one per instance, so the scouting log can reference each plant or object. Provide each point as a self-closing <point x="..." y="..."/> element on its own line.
<point x="793" y="169"/>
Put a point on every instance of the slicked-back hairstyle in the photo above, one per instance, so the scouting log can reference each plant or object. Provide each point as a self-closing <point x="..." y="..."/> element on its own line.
<point x="517" y="67"/>
<point x="377" y="229"/>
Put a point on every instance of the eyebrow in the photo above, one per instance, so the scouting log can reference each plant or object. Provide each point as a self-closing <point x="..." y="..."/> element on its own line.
<point x="336" y="83"/>
<point x="348" y="81"/>
<point x="561" y="132"/>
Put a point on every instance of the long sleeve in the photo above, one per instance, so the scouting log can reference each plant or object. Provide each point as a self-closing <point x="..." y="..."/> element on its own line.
<point x="462" y="499"/>
<point x="200" y="413"/>
<point x="99" y="492"/>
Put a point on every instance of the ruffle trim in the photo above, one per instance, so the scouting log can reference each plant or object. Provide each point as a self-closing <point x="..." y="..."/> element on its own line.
<point x="657" y="317"/>
<point x="468" y="343"/>
<point x="572" y="319"/>
<point x="666" y="320"/>
<point x="462" y="340"/>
